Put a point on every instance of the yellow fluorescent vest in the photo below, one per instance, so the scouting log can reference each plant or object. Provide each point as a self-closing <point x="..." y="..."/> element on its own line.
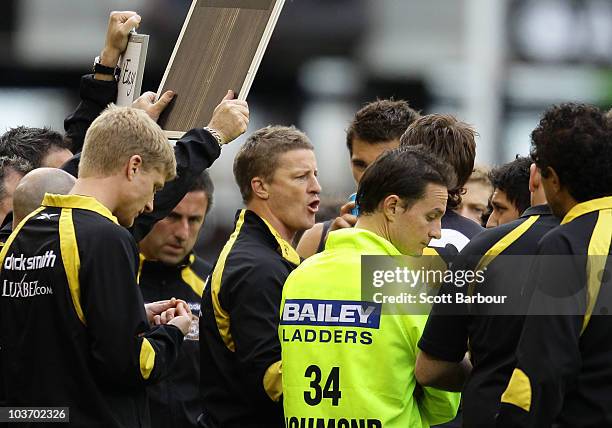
<point x="345" y="364"/>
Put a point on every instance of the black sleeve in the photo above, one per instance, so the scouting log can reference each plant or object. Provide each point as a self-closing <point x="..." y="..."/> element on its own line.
<point x="95" y="96"/>
<point x="446" y="333"/>
<point x="195" y="152"/>
<point x="125" y="350"/>
<point x="254" y="302"/>
<point x="548" y="353"/>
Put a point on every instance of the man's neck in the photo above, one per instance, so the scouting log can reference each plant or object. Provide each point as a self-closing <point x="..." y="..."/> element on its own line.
<point x="538" y="197"/>
<point x="98" y="188"/>
<point x="263" y="211"/>
<point x="374" y="223"/>
<point x="566" y="203"/>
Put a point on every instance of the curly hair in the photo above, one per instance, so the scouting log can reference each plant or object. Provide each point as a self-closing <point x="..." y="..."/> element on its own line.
<point x="575" y="140"/>
<point x="380" y="121"/>
<point x="512" y="178"/>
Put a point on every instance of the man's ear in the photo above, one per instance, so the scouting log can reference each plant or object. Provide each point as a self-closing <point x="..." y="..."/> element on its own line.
<point x="133" y="166"/>
<point x="260" y="188"/>
<point x="390" y="207"/>
<point x="534" y="178"/>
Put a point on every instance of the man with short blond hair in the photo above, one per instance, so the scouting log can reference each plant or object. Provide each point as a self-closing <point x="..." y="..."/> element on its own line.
<point x="276" y="171"/>
<point x="116" y="135"/>
<point x="76" y="332"/>
<point x="475" y="201"/>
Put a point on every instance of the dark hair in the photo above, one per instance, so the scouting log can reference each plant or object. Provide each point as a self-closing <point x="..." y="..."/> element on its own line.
<point x="404" y="172"/>
<point x="380" y="121"/>
<point x="258" y="156"/>
<point x="512" y="178"/>
<point x="203" y="183"/>
<point x="449" y="139"/>
<point x="575" y="140"/>
<point x="31" y="144"/>
<point x="11" y="163"/>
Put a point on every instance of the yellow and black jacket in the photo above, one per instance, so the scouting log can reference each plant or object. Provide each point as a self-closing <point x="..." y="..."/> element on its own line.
<point x="492" y="337"/>
<point x="563" y="375"/>
<point x="175" y="400"/>
<point x="74" y="329"/>
<point x="240" y="348"/>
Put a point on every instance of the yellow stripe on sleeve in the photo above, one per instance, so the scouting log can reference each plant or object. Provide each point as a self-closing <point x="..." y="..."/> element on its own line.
<point x="147" y="359"/>
<point x="518" y="391"/>
<point x="273" y="381"/>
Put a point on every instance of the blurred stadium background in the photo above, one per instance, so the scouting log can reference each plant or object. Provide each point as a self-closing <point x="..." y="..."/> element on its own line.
<point x="494" y="63"/>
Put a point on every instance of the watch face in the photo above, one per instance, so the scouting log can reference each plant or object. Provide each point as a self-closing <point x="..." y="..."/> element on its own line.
<point x="194" y="329"/>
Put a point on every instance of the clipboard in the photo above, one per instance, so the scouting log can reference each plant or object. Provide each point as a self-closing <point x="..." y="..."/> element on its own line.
<point x="132" y="65"/>
<point x="220" y="47"/>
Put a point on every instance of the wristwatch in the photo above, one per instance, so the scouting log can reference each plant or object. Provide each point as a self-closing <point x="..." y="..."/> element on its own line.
<point x="103" y="69"/>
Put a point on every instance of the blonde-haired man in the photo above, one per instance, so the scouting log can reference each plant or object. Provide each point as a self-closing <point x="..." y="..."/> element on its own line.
<point x="276" y="171"/>
<point x="475" y="200"/>
<point x="75" y="330"/>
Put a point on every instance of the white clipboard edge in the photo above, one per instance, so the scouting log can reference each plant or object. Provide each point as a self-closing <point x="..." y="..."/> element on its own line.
<point x="176" y="47"/>
<point x="174" y="135"/>
<point x="261" y="49"/>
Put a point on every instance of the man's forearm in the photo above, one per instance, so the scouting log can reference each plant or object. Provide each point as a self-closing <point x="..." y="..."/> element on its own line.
<point x="445" y="375"/>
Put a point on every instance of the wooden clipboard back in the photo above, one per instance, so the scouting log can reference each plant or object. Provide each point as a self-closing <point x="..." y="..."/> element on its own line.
<point x="220" y="47"/>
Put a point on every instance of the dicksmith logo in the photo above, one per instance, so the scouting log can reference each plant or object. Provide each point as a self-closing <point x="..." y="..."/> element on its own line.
<point x="21" y="262"/>
<point x="331" y="313"/>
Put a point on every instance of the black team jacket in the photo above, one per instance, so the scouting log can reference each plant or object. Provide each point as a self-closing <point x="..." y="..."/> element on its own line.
<point x="74" y="329"/>
<point x="492" y="337"/>
<point x="563" y="374"/>
<point x="175" y="400"/>
<point x="240" y="350"/>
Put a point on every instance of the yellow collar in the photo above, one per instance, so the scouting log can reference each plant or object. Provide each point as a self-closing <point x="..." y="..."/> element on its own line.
<point x="588" y="207"/>
<point x="80" y="202"/>
<point x="285" y="248"/>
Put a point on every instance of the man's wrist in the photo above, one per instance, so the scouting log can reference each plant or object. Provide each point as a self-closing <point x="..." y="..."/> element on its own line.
<point x="217" y="136"/>
<point x="109" y="57"/>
